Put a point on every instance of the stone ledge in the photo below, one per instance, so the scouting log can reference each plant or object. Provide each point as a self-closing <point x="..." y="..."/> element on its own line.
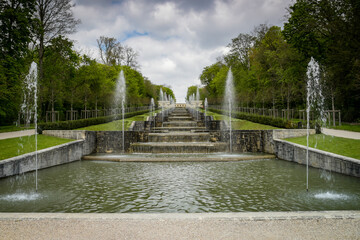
<point x="246" y="216"/>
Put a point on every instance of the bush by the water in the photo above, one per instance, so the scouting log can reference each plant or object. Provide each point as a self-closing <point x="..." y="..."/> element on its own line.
<point x="69" y="125"/>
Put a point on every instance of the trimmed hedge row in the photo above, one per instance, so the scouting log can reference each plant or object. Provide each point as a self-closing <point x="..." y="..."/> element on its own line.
<point x="69" y="125"/>
<point x="266" y="120"/>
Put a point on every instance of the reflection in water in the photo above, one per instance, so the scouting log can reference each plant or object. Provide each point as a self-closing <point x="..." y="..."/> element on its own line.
<point x="257" y="185"/>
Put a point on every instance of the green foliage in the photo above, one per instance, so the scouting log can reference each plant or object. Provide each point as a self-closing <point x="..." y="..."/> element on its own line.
<point x="329" y="31"/>
<point x="15" y="35"/>
<point x="68" y="125"/>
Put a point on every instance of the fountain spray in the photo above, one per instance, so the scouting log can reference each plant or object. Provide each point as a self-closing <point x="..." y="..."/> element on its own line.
<point x="30" y="93"/>
<point x="120" y="97"/>
<point x="229" y="99"/>
<point x="315" y="100"/>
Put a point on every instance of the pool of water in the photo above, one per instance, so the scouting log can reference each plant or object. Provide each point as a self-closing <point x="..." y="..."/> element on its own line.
<point x="255" y="185"/>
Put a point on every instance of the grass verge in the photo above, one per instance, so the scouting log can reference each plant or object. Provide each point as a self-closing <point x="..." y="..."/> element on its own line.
<point x="347" y="127"/>
<point x="238" y="124"/>
<point x="342" y="146"/>
<point x="13" y="147"/>
<point x="116" y="125"/>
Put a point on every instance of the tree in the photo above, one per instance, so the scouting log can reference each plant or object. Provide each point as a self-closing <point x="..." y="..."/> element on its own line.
<point x="130" y="57"/>
<point x="328" y="30"/>
<point x="111" y="51"/>
<point x="15" y="35"/>
<point x="60" y="62"/>
<point x="239" y="49"/>
<point x="54" y="18"/>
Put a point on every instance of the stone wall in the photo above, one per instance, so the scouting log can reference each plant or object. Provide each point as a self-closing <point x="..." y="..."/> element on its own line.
<point x="49" y="157"/>
<point x="89" y="137"/>
<point x="249" y="140"/>
<point x="111" y="141"/>
<point x="290" y="133"/>
<point x="317" y="158"/>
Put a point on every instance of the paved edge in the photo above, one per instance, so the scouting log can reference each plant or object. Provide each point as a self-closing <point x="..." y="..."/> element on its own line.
<point x="243" y="216"/>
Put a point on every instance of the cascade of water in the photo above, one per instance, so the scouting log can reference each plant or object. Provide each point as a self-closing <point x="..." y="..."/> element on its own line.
<point x="315" y="103"/>
<point x="197" y="103"/>
<point x="162" y="105"/>
<point x="120" y="98"/>
<point x="228" y="102"/>
<point x="205" y="106"/>
<point x="152" y="110"/>
<point x="29" y="105"/>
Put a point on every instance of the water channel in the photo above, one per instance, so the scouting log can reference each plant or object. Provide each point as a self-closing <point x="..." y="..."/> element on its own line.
<point x="252" y="185"/>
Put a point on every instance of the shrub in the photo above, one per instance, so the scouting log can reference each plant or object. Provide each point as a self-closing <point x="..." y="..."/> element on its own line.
<point x="69" y="125"/>
<point x="267" y="120"/>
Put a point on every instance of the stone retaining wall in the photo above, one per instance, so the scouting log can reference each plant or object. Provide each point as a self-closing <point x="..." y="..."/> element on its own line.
<point x="49" y="157"/>
<point x="243" y="141"/>
<point x="249" y="140"/>
<point x="317" y="158"/>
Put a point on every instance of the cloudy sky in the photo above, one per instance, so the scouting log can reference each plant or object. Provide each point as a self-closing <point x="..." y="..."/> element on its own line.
<point x="175" y="39"/>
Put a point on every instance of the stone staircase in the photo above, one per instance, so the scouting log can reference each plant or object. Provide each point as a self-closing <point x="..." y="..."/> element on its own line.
<point x="180" y="134"/>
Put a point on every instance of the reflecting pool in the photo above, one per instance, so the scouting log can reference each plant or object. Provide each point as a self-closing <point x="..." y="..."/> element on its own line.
<point x="253" y="185"/>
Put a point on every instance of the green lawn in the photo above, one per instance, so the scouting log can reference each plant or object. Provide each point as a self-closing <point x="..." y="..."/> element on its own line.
<point x="347" y="127"/>
<point x="238" y="124"/>
<point x="342" y="146"/>
<point x="12" y="147"/>
<point x="116" y="125"/>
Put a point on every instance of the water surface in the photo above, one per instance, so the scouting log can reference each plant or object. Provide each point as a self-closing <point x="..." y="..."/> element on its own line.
<point x="255" y="185"/>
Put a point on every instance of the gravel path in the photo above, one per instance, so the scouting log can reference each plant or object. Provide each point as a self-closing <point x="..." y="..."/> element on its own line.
<point x="341" y="133"/>
<point x="288" y="225"/>
<point x="15" y="134"/>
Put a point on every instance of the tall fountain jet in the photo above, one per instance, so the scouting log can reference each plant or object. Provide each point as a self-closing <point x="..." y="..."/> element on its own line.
<point x="229" y="101"/>
<point x="29" y="106"/>
<point x="152" y="111"/>
<point x="197" y="102"/>
<point x="205" y="107"/>
<point x="314" y="102"/>
<point x="120" y="98"/>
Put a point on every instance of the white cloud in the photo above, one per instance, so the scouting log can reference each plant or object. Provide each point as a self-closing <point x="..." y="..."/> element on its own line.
<point x="181" y="37"/>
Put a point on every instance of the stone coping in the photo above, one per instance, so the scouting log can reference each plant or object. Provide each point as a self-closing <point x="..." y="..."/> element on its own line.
<point x="246" y="216"/>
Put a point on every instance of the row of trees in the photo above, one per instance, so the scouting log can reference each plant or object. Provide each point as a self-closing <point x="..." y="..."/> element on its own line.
<point x="35" y="30"/>
<point x="269" y="64"/>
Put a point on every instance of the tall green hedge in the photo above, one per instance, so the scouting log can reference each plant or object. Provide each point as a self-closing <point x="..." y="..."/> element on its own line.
<point x="267" y="120"/>
<point x="69" y="125"/>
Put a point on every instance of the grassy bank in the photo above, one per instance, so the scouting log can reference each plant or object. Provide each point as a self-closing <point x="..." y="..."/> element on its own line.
<point x="116" y="125"/>
<point x="13" y="147"/>
<point x="347" y="127"/>
<point x="342" y="146"/>
<point x="238" y="124"/>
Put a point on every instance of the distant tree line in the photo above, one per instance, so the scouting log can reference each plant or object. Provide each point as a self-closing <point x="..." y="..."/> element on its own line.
<point x="269" y="64"/>
<point x="36" y="30"/>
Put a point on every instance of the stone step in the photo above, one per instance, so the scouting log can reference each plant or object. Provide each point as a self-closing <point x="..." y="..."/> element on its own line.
<point x="179" y="137"/>
<point x="177" y="129"/>
<point x="178" y="147"/>
<point x="180" y="118"/>
<point x="180" y="124"/>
